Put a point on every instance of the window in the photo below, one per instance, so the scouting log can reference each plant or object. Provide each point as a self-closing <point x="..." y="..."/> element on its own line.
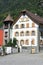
<point x="41" y="42"/>
<point x="6" y="26"/>
<point x="16" y="34"/>
<point x="41" y="33"/>
<point x="22" y="42"/>
<point x="27" y="33"/>
<point x="16" y="27"/>
<point x="6" y="34"/>
<point x="33" y="42"/>
<point x="33" y="33"/>
<point x="5" y="41"/>
<point x="33" y="24"/>
<point x="27" y="42"/>
<point x="41" y="26"/>
<point x="22" y="26"/>
<point x="22" y="33"/>
<point x="27" y="25"/>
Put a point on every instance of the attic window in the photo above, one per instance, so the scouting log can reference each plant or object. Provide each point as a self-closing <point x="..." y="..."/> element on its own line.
<point x="24" y="13"/>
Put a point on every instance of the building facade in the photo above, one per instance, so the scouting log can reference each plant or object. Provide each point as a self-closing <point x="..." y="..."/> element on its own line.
<point x="27" y="29"/>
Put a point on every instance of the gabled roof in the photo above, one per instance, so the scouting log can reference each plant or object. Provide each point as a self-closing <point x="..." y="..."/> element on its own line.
<point x="34" y="17"/>
<point x="8" y="19"/>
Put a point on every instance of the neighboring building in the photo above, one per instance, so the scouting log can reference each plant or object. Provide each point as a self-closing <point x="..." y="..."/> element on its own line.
<point x="7" y="26"/>
<point x="27" y="29"/>
<point x="1" y="37"/>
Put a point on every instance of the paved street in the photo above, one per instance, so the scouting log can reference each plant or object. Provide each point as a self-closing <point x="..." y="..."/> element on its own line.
<point x="22" y="59"/>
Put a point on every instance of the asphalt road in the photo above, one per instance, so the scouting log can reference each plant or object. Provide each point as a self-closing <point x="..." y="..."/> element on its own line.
<point x="22" y="59"/>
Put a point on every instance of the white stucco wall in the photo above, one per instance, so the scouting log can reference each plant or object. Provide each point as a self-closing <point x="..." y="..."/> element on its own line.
<point x="19" y="22"/>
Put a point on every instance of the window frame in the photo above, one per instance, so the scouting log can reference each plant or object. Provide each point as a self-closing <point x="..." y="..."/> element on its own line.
<point x="22" y="33"/>
<point x="27" y="34"/>
<point x="33" y="33"/>
<point x="33" y="42"/>
<point x="22" y="25"/>
<point x="16" y="33"/>
<point x="26" y="42"/>
<point x="16" y="26"/>
<point x="33" y="24"/>
<point x="22" y="42"/>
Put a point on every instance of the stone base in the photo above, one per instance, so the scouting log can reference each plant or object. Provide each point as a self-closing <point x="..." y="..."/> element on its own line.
<point x="29" y="49"/>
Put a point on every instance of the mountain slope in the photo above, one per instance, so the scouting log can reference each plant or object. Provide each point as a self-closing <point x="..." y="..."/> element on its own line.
<point x="15" y="6"/>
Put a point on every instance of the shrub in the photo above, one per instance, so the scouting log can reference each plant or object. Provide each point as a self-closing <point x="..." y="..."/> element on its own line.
<point x="14" y="42"/>
<point x="9" y="43"/>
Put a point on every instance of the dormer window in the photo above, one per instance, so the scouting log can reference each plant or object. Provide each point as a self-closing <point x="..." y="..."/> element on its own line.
<point x="24" y="13"/>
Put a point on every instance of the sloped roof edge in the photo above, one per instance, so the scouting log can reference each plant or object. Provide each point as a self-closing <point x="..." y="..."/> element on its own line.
<point x="34" y="17"/>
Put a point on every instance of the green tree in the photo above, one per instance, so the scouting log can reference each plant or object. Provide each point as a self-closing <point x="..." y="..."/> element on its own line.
<point x="1" y="24"/>
<point x="9" y="43"/>
<point x="14" y="42"/>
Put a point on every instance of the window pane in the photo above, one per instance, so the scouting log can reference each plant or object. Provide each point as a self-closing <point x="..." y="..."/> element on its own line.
<point x="33" y="33"/>
<point x="22" y="42"/>
<point x="27" y="33"/>
<point x="22" y="33"/>
<point x="16" y="26"/>
<point x="27" y="42"/>
<point x="22" y="26"/>
<point x="33" y="42"/>
<point x="33" y="24"/>
<point x="16" y="34"/>
<point x="27" y="25"/>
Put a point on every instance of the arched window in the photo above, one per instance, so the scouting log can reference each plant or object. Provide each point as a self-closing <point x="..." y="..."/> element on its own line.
<point x="33" y="33"/>
<point x="27" y="33"/>
<point x="16" y="33"/>
<point x="27" y="42"/>
<point x="22" y="33"/>
<point x="33" y="42"/>
<point x="22" y="26"/>
<point x="27" y="25"/>
<point x="22" y="42"/>
<point x="16" y="27"/>
<point x="33" y="24"/>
